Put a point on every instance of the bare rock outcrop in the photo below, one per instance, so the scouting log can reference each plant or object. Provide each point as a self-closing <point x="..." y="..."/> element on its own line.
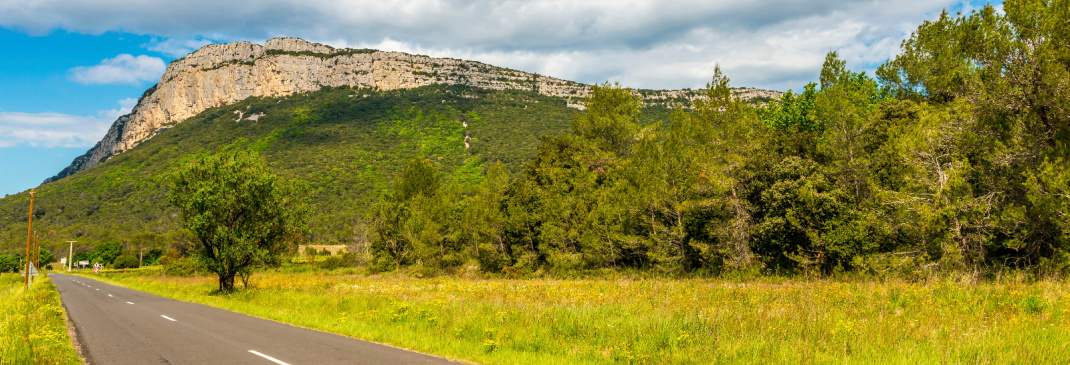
<point x="222" y="74"/>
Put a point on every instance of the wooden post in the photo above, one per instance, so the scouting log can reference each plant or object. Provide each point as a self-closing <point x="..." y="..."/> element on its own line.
<point x="29" y="235"/>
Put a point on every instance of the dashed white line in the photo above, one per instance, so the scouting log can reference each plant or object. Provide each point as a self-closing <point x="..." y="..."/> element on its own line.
<point x="129" y="302"/>
<point x="168" y="318"/>
<point x="274" y="360"/>
<point x="109" y="295"/>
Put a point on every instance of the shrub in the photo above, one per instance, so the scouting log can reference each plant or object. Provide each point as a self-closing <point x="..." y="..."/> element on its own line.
<point x="9" y="263"/>
<point x="125" y="261"/>
<point x="184" y="266"/>
<point x="335" y="262"/>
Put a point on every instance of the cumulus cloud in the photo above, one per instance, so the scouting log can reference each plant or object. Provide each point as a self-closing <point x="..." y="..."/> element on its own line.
<point x="643" y="43"/>
<point x="56" y="129"/>
<point x="176" y="47"/>
<point x="122" y="69"/>
<point x="125" y="106"/>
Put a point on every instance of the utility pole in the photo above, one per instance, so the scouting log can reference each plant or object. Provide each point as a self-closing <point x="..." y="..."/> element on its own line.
<point x="70" y="255"/>
<point x="29" y="234"/>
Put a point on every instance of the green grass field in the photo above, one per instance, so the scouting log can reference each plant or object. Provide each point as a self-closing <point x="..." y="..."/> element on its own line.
<point x="705" y="321"/>
<point x="32" y="323"/>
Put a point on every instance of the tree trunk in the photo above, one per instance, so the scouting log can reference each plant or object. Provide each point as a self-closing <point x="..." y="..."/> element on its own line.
<point x="226" y="282"/>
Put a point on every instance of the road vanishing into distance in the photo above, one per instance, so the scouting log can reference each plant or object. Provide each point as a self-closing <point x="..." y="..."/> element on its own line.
<point x="122" y="326"/>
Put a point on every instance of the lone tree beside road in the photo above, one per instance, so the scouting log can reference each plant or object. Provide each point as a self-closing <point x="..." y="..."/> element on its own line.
<point x="241" y="213"/>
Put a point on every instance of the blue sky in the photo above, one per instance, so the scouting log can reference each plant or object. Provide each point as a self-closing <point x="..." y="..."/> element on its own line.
<point x="69" y="68"/>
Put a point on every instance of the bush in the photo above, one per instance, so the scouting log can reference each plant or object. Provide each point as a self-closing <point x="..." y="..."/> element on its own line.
<point x="184" y="266"/>
<point x="9" y="263"/>
<point x="125" y="261"/>
<point x="335" y="262"/>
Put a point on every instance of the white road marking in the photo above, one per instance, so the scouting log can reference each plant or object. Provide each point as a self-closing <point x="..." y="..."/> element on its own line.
<point x="129" y="302"/>
<point x="168" y="318"/>
<point x="110" y="295"/>
<point x="98" y="289"/>
<point x="274" y="360"/>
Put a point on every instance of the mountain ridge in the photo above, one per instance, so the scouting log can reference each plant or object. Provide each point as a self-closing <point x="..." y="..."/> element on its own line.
<point x="222" y="74"/>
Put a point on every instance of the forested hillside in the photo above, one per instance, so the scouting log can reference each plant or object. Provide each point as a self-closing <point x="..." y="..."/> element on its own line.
<point x="346" y="144"/>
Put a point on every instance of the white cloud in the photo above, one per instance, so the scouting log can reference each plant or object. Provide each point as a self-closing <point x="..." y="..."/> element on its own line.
<point x="56" y="129"/>
<point x="125" y="106"/>
<point x="175" y="47"/>
<point x="643" y="43"/>
<point x="122" y="69"/>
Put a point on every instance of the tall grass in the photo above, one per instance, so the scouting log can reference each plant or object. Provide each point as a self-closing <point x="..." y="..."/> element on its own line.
<point x="662" y="321"/>
<point x="33" y="323"/>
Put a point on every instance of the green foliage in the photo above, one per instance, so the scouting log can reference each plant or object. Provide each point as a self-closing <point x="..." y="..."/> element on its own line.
<point x="485" y="225"/>
<point x="418" y="179"/>
<point x="612" y="118"/>
<point x="105" y="253"/>
<point x="45" y="256"/>
<point x="125" y="262"/>
<point x="82" y="256"/>
<point x="413" y="225"/>
<point x="792" y="111"/>
<point x="9" y="263"/>
<point x="184" y="266"/>
<point x="242" y="214"/>
<point x="1049" y="191"/>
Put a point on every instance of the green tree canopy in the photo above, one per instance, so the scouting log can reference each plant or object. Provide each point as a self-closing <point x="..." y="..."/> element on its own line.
<point x="106" y="252"/>
<point x="46" y="256"/>
<point x="241" y="213"/>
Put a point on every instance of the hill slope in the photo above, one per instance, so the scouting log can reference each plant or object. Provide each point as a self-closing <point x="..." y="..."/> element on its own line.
<point x="222" y="74"/>
<point x="346" y="143"/>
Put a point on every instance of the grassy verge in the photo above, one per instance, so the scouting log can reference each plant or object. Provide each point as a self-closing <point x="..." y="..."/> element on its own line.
<point x="33" y="323"/>
<point x="661" y="321"/>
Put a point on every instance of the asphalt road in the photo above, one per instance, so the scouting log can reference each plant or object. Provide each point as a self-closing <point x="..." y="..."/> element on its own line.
<point x="116" y="325"/>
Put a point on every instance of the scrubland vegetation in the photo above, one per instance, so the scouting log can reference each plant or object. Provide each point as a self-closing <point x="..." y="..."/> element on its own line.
<point x="33" y="323"/>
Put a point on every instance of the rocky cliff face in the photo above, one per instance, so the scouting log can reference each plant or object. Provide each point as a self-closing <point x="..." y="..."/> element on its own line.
<point x="222" y="74"/>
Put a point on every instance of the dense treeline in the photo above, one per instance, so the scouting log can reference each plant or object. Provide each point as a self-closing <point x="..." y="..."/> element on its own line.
<point x="953" y="159"/>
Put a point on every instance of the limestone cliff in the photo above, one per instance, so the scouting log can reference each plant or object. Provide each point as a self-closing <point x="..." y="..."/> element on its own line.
<point x="222" y="74"/>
